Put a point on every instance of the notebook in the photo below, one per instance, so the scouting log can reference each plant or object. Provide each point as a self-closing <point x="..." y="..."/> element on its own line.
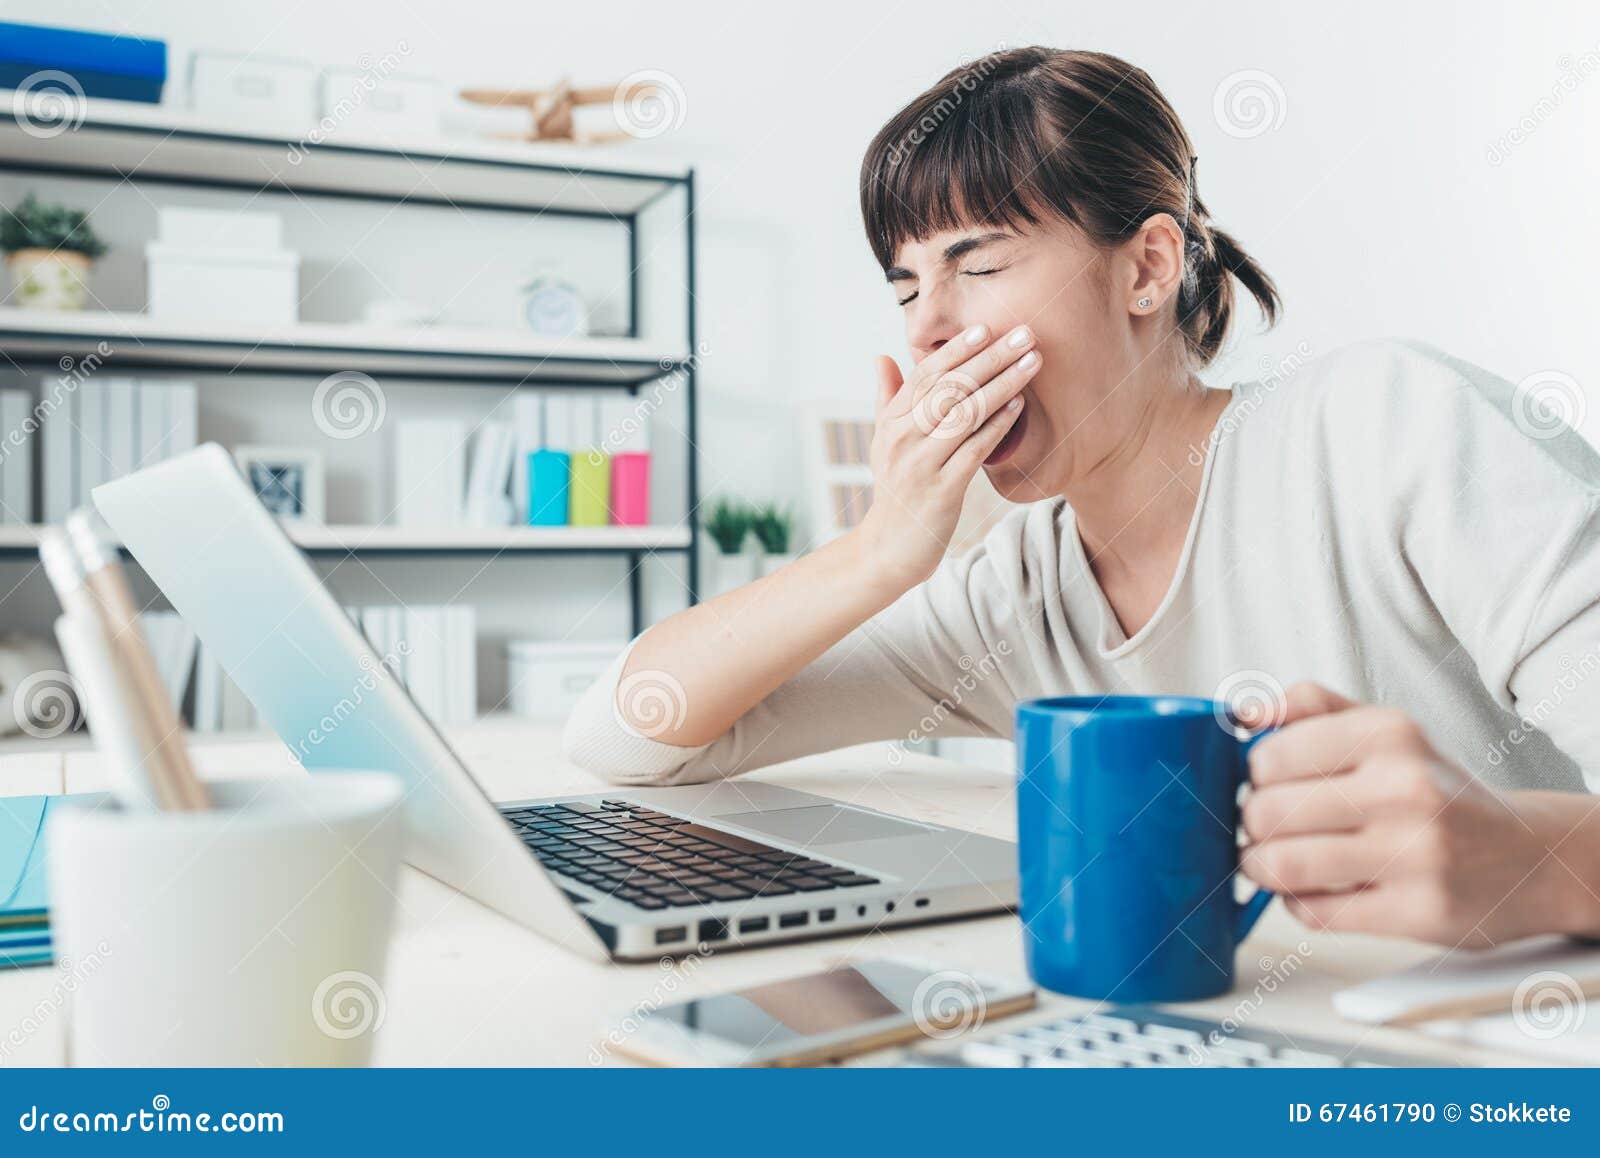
<point x="24" y="905"/>
<point x="22" y="883"/>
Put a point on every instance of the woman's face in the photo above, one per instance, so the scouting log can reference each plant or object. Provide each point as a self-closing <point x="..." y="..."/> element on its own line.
<point x="1054" y="281"/>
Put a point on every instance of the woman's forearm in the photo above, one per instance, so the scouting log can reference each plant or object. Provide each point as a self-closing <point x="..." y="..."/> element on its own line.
<point x="1566" y="878"/>
<point x="724" y="656"/>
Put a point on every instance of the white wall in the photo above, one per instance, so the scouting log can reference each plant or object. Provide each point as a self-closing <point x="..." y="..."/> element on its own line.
<point x="1375" y="202"/>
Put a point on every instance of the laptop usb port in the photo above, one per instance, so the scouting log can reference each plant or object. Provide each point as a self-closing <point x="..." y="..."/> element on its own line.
<point x="672" y="935"/>
<point x="792" y="920"/>
<point x="753" y="925"/>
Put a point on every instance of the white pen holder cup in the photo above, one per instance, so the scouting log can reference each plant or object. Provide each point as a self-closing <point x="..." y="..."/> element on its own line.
<point x="252" y="934"/>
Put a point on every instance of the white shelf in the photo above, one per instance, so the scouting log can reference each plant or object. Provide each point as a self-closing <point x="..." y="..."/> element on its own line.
<point x="365" y="539"/>
<point x="157" y="142"/>
<point x="446" y="352"/>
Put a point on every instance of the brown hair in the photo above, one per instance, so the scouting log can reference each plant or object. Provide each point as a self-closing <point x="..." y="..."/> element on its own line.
<point x="1032" y="133"/>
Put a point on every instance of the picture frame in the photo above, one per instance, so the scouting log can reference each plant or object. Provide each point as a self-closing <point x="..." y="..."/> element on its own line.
<point x="288" y="479"/>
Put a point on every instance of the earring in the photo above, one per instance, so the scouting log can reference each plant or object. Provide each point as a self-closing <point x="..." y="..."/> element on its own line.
<point x="1145" y="303"/>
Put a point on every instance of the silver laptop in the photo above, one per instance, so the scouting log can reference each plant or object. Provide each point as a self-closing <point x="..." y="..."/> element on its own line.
<point x="630" y="874"/>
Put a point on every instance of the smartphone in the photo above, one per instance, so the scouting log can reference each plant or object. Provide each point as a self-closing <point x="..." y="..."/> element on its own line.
<point x="821" y="1017"/>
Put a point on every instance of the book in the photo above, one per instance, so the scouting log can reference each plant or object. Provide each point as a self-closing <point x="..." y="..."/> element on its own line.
<point x="429" y="472"/>
<point x="208" y="678"/>
<point x="172" y="645"/>
<point x="183" y="417"/>
<point x="487" y="504"/>
<point x="23" y="893"/>
<point x="153" y="427"/>
<point x="425" y="660"/>
<point x="527" y="423"/>
<point x="122" y="427"/>
<point x="16" y="470"/>
<point x="58" y="448"/>
<point x="93" y="464"/>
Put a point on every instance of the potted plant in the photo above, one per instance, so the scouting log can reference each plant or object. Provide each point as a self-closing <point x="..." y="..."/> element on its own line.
<point x="50" y="249"/>
<point x="728" y="524"/>
<point x="774" y="530"/>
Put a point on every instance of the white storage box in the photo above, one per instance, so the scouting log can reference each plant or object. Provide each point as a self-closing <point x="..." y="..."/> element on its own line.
<point x="260" y="91"/>
<point x="259" y="286"/>
<point x="185" y="228"/>
<point x="545" y="679"/>
<point x="369" y="105"/>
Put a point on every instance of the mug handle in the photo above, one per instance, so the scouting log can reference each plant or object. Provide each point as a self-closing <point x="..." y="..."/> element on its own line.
<point x="1249" y="912"/>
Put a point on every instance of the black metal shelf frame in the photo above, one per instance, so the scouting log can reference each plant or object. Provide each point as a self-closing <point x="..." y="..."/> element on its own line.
<point x="631" y="375"/>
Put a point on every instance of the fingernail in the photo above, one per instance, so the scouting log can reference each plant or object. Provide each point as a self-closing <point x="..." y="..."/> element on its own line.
<point x="1029" y="360"/>
<point x="976" y="335"/>
<point x="1014" y="404"/>
<point x="1019" y="337"/>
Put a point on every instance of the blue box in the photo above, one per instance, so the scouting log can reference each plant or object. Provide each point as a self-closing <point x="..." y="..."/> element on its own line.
<point x="119" y="67"/>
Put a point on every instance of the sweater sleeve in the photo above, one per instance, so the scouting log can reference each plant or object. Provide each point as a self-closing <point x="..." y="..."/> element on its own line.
<point x="934" y="663"/>
<point x="1501" y="523"/>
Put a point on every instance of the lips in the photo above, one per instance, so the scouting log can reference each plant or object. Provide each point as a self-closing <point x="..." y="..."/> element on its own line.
<point x="1013" y="439"/>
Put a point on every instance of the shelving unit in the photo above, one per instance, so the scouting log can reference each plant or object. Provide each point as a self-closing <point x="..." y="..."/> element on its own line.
<point x="350" y="539"/>
<point x="161" y="146"/>
<point x="473" y="355"/>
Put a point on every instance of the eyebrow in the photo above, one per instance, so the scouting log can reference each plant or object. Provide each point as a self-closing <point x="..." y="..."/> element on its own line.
<point x="952" y="252"/>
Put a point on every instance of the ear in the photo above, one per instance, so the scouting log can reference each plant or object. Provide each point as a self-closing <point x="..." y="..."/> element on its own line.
<point x="1155" y="256"/>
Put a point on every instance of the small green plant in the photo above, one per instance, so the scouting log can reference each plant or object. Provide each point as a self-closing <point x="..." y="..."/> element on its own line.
<point x="728" y="524"/>
<point x="774" y="528"/>
<point x="38" y="225"/>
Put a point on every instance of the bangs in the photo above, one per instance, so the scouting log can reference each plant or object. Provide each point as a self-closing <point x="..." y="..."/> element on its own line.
<point x="969" y="152"/>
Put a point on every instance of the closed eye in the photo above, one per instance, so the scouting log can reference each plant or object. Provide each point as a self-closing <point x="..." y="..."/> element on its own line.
<point x="908" y="299"/>
<point x="982" y="272"/>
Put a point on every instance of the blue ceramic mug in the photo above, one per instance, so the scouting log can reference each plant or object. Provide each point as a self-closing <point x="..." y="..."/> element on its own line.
<point x="1127" y="821"/>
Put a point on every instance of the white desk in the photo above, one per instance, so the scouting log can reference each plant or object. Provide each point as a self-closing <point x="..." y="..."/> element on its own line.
<point x="467" y="987"/>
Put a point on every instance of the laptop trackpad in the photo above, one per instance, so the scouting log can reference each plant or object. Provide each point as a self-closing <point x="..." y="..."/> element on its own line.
<point x="824" y="824"/>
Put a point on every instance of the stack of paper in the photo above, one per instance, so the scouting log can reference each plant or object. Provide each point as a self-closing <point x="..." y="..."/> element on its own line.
<point x="432" y="650"/>
<point x="96" y="429"/>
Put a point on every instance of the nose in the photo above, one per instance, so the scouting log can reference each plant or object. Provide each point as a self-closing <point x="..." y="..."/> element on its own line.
<point x="930" y="327"/>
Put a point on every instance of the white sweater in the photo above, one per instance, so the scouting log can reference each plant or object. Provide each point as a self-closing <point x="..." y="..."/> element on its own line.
<point x="1378" y="522"/>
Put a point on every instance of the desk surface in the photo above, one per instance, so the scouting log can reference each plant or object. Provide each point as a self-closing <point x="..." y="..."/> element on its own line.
<point x="467" y="987"/>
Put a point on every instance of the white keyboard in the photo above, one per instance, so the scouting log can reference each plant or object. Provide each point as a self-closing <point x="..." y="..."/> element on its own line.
<point x="1142" y="1036"/>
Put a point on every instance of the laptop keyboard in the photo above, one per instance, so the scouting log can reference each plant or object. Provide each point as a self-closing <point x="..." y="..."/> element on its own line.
<point x="659" y="861"/>
<point x="1147" y="1037"/>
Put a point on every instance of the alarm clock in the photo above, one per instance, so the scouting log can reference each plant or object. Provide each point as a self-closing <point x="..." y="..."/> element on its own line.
<point x="553" y="308"/>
